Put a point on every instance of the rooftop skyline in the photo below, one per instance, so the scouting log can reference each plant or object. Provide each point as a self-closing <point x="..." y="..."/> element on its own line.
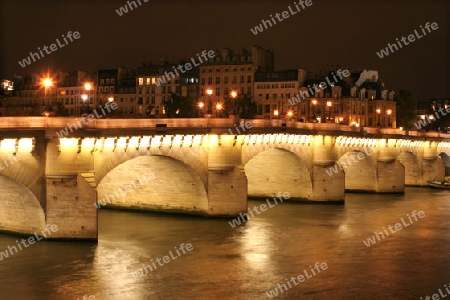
<point x="346" y="32"/>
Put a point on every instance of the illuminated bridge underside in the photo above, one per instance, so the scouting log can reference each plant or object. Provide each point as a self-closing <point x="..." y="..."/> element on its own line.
<point x="60" y="181"/>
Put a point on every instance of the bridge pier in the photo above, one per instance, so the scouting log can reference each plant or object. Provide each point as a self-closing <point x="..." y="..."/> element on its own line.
<point x="325" y="187"/>
<point x="227" y="183"/>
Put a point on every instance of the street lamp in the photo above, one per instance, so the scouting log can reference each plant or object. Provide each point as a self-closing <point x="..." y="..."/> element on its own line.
<point x="290" y="113"/>
<point x="275" y="113"/>
<point x="233" y="95"/>
<point x="378" y="116"/>
<point x="200" y="108"/>
<point x="209" y="92"/>
<point x="389" y="112"/>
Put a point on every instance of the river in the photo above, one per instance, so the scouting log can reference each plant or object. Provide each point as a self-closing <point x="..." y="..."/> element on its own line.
<point x="248" y="261"/>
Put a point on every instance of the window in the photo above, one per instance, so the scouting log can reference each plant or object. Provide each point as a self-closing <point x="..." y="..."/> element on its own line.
<point x="102" y="82"/>
<point x="233" y="80"/>
<point x="209" y="80"/>
<point x="107" y="81"/>
<point x="288" y="95"/>
<point x="242" y="90"/>
<point x="242" y="79"/>
<point x="259" y="96"/>
<point x="249" y="79"/>
<point x="267" y="108"/>
<point x="217" y="91"/>
<point x="217" y="80"/>
<point x="163" y="89"/>
<point x="210" y="71"/>
<point x="217" y="70"/>
<point x="274" y="96"/>
<point x="153" y="80"/>
<point x="113" y="81"/>
<point x="225" y="80"/>
<point x="267" y="96"/>
<point x="203" y="80"/>
<point x="147" y="90"/>
<point x="148" y="80"/>
<point x="100" y="90"/>
<point x="153" y="99"/>
<point x="141" y="81"/>
<point x="111" y="89"/>
<point x="249" y="90"/>
<point x="131" y="99"/>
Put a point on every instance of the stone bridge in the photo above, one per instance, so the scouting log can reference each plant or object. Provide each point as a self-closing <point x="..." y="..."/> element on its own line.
<point x="195" y="166"/>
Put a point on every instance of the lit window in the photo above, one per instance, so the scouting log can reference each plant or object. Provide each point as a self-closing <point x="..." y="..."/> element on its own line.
<point x="141" y="81"/>
<point x="148" y="80"/>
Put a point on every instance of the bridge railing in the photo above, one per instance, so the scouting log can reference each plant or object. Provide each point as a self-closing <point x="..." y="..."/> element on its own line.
<point x="57" y="123"/>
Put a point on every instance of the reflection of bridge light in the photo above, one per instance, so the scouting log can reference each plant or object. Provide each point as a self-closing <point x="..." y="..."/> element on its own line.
<point x="68" y="143"/>
<point x="134" y="142"/>
<point x="145" y="142"/>
<point x="187" y="141"/>
<point x="177" y="140"/>
<point x="26" y="145"/>
<point x="109" y="144"/>
<point x="197" y="140"/>
<point x="8" y="145"/>
<point x="252" y="139"/>
<point x="88" y="144"/>
<point x="122" y="142"/>
<point x="99" y="144"/>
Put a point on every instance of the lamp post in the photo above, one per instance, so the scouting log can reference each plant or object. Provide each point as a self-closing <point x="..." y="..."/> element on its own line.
<point x="84" y="97"/>
<point x="314" y="103"/>
<point x="275" y="113"/>
<point x="200" y="106"/>
<point x="46" y="83"/>
<point x="329" y="110"/>
<point x="209" y="92"/>
<point x="378" y="117"/>
<point x="233" y="95"/>
<point x="389" y="112"/>
<point x="218" y="108"/>
<point x="110" y="100"/>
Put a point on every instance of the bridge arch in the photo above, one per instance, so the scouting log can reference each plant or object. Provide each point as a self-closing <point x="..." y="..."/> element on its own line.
<point x="412" y="168"/>
<point x="360" y="168"/>
<point x="153" y="182"/>
<point x="20" y="210"/>
<point x="278" y="170"/>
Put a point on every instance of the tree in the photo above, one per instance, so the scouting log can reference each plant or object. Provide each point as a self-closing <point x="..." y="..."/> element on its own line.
<point x="406" y="109"/>
<point x="179" y="107"/>
<point x="246" y="108"/>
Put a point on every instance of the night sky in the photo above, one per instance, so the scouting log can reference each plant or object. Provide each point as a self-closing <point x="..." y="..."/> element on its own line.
<point x="327" y="32"/>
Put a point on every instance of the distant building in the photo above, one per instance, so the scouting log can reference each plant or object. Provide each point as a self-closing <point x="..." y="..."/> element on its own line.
<point x="273" y="91"/>
<point x="231" y="71"/>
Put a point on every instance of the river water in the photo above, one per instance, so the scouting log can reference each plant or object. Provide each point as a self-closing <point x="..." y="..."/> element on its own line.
<point x="248" y="261"/>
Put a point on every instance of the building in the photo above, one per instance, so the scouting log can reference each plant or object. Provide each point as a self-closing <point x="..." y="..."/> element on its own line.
<point x="155" y="85"/>
<point x="76" y="93"/>
<point x="274" y="89"/>
<point x="230" y="76"/>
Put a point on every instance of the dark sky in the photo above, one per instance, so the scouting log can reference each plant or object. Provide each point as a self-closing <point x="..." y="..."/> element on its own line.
<point x="328" y="32"/>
